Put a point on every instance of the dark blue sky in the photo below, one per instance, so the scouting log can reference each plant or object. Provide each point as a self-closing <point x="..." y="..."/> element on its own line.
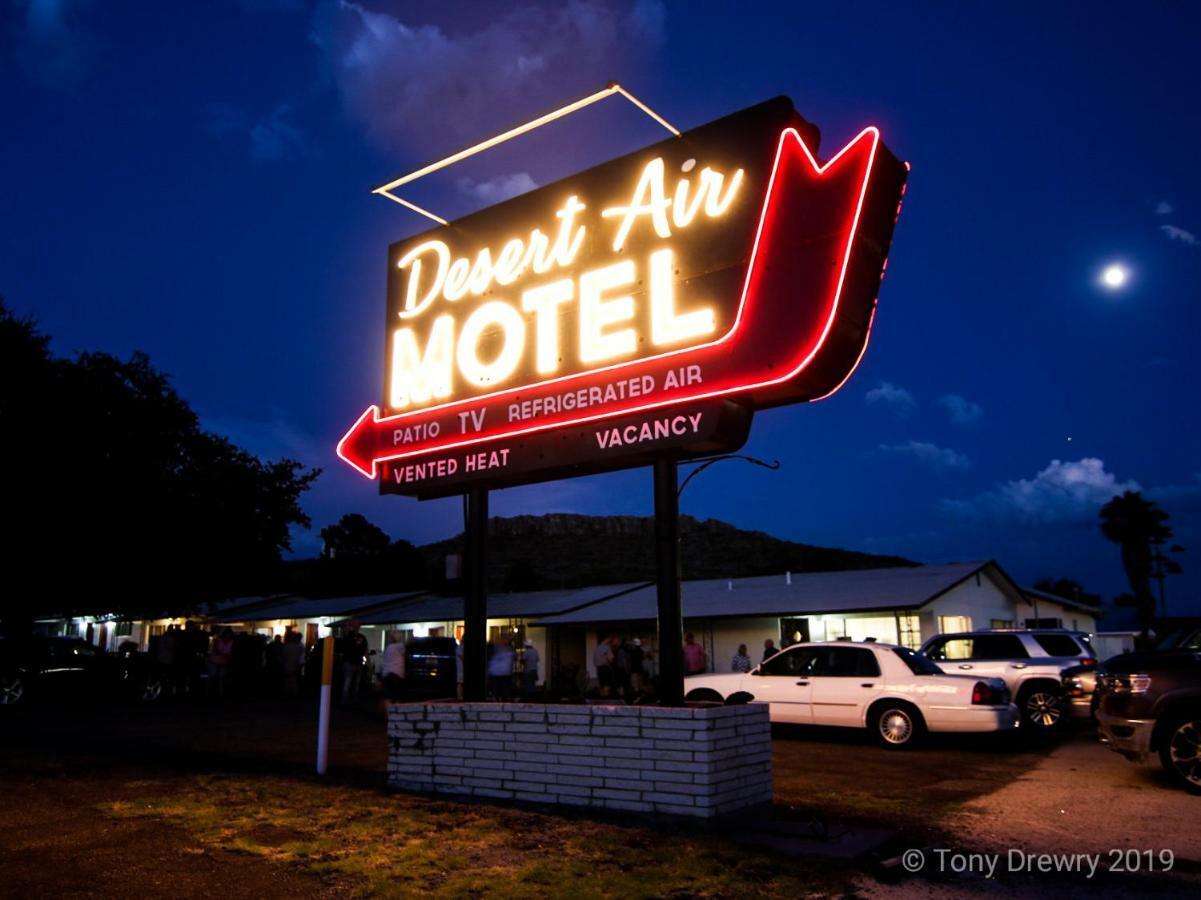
<point x="192" y="180"/>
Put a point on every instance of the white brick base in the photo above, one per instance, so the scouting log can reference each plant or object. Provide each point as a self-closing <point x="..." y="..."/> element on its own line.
<point x="684" y="761"/>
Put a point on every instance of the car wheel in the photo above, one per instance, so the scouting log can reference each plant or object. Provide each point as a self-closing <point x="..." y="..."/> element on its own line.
<point x="1180" y="752"/>
<point x="704" y="695"/>
<point x="896" y="725"/>
<point x="12" y="690"/>
<point x="1041" y="707"/>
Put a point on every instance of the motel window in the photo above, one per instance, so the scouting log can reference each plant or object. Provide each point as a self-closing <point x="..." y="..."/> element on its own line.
<point x="1001" y="623"/>
<point x="909" y="630"/>
<point x="1044" y="623"/>
<point x="952" y="624"/>
<point x="791" y="663"/>
<point x="123" y="629"/>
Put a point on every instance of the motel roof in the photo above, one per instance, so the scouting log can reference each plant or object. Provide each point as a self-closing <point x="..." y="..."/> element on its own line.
<point x="297" y="607"/>
<point x="860" y="590"/>
<point x="527" y="605"/>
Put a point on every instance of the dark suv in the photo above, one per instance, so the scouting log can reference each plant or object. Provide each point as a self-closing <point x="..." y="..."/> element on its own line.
<point x="37" y="667"/>
<point x="431" y="668"/>
<point x="1150" y="703"/>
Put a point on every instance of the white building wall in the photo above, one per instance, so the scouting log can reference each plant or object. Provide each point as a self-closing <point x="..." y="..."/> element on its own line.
<point x="979" y="599"/>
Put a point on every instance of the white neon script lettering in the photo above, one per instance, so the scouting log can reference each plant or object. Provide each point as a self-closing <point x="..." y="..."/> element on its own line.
<point x="454" y="279"/>
<point x="650" y="199"/>
<point x="606" y="322"/>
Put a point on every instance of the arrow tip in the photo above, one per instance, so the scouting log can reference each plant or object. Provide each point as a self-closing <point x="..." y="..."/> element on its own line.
<point x="357" y="447"/>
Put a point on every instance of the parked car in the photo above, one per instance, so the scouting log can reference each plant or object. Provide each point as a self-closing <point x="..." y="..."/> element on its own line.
<point x="1031" y="662"/>
<point x="893" y="692"/>
<point x="431" y="667"/>
<point x="1150" y="704"/>
<point x="38" y="667"/>
<point x="1080" y="690"/>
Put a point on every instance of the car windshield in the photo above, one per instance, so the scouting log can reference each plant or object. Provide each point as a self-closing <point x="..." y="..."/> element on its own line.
<point x="917" y="663"/>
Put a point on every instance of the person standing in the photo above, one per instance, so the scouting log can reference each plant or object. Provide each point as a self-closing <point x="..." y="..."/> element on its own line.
<point x="351" y="651"/>
<point x="695" y="660"/>
<point x="529" y="671"/>
<point x="602" y="658"/>
<point x="291" y="663"/>
<point x="741" y="661"/>
<point x="393" y="666"/>
<point x="635" y="658"/>
<point x="769" y="649"/>
<point x="218" y="661"/>
<point x="500" y="669"/>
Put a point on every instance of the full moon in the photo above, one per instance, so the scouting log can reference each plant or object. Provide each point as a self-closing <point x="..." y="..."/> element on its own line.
<point x="1115" y="276"/>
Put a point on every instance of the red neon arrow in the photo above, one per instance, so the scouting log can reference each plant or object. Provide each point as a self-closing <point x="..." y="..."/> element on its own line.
<point x="796" y="248"/>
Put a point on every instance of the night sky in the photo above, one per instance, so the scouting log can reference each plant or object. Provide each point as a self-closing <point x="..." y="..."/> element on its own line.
<point x="193" y="180"/>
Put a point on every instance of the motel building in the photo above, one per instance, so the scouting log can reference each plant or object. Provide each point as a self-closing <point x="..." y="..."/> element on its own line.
<point x="898" y="605"/>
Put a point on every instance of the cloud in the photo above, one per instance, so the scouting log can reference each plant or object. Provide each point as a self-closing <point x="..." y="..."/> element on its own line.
<point x="271" y="138"/>
<point x="928" y="454"/>
<point x="52" y="43"/>
<point x="275" y="137"/>
<point x="494" y="190"/>
<point x="1063" y="491"/>
<point x="418" y="87"/>
<point x="963" y="412"/>
<point x="1179" y="234"/>
<point x="897" y="399"/>
<point x="1163" y="208"/>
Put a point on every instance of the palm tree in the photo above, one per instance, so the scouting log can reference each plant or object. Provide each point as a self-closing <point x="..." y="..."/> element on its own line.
<point x="1137" y="526"/>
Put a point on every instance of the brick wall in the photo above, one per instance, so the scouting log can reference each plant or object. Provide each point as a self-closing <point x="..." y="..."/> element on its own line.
<point x="692" y="762"/>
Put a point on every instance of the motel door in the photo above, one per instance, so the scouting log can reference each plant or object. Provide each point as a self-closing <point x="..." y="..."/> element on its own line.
<point x="793" y="631"/>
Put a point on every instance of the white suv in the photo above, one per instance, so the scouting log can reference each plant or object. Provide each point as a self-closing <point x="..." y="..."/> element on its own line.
<point x="1029" y="662"/>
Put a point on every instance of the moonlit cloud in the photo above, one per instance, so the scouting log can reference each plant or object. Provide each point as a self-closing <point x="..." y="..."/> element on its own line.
<point x="494" y="190"/>
<point x="414" y="86"/>
<point x="1179" y="234"/>
<point x="1163" y="208"/>
<point x="1063" y="491"/>
<point x="927" y="454"/>
<point x="962" y="411"/>
<point x="891" y="397"/>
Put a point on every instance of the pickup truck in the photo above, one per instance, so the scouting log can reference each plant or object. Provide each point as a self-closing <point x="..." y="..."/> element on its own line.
<point x="1149" y="704"/>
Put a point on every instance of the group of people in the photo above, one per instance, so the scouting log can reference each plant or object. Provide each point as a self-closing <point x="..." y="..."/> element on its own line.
<point x="193" y="662"/>
<point x="505" y="664"/>
<point x="742" y="660"/>
<point x="623" y="667"/>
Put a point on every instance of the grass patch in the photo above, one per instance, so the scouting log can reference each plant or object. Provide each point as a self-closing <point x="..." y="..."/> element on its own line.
<point x="373" y="843"/>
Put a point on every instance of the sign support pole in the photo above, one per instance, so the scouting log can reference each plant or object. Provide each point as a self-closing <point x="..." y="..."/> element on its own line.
<point x="667" y="577"/>
<point x="475" y="597"/>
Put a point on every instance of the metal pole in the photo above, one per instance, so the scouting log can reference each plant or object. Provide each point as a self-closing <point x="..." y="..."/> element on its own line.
<point x="475" y="597"/>
<point x="667" y="576"/>
<point x="327" y="677"/>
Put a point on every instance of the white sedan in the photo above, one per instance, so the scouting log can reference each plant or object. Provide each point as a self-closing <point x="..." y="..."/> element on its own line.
<point x="895" y="693"/>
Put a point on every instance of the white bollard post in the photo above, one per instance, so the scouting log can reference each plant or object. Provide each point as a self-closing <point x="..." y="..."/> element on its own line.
<point x="327" y="677"/>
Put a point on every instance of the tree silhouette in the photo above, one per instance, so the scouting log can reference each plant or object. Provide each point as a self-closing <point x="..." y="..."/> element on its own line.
<point x="353" y="537"/>
<point x="1067" y="587"/>
<point x="1137" y="526"/>
<point x="115" y="498"/>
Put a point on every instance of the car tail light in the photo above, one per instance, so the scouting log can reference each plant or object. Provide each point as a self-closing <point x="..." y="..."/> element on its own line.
<point x="1088" y="662"/>
<point x="984" y="694"/>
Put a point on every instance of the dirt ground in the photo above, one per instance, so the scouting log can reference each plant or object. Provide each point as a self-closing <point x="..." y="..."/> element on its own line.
<point x="200" y="801"/>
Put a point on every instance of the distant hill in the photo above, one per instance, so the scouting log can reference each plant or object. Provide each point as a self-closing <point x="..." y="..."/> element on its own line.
<point x="567" y="550"/>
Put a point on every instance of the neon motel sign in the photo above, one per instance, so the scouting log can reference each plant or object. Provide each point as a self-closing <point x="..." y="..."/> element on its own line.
<point x="647" y="305"/>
